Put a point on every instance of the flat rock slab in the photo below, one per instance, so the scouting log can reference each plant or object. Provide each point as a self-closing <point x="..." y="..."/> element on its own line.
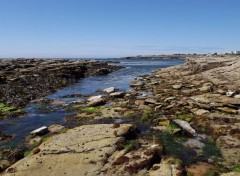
<point x="80" y="151"/>
<point x="216" y="98"/>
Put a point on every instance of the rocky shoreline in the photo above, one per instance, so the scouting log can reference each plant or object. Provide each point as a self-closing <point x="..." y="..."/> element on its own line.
<point x="152" y="57"/>
<point x="181" y="120"/>
<point x="24" y="80"/>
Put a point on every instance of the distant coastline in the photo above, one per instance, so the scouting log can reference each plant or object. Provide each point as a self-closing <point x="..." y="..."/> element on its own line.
<point x="172" y="56"/>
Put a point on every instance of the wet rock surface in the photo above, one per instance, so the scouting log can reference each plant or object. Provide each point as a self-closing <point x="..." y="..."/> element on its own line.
<point x="182" y="120"/>
<point x="87" y="150"/>
<point x="24" y="80"/>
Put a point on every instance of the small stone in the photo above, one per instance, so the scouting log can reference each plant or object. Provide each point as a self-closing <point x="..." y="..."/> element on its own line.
<point x="194" y="144"/>
<point x="40" y="131"/>
<point x="92" y="98"/>
<point x="150" y="101"/>
<point x="97" y="102"/>
<point x="205" y="89"/>
<point x="109" y="90"/>
<point x="118" y="94"/>
<point x="185" y="126"/>
<point x="222" y="92"/>
<point x="230" y="93"/>
<point x="177" y="86"/>
<point x="237" y="96"/>
<point x="169" y="99"/>
<point x="201" y="112"/>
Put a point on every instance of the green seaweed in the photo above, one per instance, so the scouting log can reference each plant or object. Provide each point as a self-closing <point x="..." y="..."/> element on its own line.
<point x="148" y="116"/>
<point x="131" y="145"/>
<point x="7" y="110"/>
<point x="90" y="110"/>
<point x="211" y="149"/>
<point x="236" y="168"/>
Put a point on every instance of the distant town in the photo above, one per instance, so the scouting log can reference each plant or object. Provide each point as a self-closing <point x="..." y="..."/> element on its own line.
<point x="226" y="53"/>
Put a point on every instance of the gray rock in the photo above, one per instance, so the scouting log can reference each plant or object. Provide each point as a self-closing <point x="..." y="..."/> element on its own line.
<point x="55" y="128"/>
<point x="222" y="92"/>
<point x="97" y="102"/>
<point x="150" y="101"/>
<point x="200" y="112"/>
<point x="194" y="144"/>
<point x="205" y="89"/>
<point x="136" y="83"/>
<point x="185" y="126"/>
<point x="117" y="94"/>
<point x="169" y="99"/>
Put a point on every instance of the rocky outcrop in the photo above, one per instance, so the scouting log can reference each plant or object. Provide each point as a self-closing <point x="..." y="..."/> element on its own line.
<point x="81" y="151"/>
<point x="23" y="80"/>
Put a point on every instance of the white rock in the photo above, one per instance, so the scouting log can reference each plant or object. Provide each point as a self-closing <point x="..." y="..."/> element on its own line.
<point x="109" y="90"/>
<point x="237" y="96"/>
<point x="177" y="86"/>
<point x="230" y="93"/>
<point x="40" y="131"/>
<point x="185" y="126"/>
<point x="93" y="98"/>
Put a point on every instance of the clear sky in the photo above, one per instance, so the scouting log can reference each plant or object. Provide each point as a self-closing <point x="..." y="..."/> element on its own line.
<point x="114" y="28"/>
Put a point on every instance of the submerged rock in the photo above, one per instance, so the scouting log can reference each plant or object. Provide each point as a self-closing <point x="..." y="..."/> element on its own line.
<point x="109" y="90"/>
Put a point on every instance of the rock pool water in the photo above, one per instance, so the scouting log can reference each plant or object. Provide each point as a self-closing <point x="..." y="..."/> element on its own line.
<point x="22" y="126"/>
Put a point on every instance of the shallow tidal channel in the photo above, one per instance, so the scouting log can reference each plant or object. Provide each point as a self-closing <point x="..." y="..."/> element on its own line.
<point x="36" y="117"/>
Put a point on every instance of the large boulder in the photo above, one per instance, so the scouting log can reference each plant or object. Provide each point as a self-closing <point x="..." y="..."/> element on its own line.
<point x="80" y="151"/>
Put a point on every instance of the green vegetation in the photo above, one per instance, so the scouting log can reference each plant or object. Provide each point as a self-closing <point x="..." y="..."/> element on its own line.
<point x="19" y="112"/>
<point x="148" y="115"/>
<point x="129" y="114"/>
<point x="91" y="110"/>
<point x="76" y="107"/>
<point x="31" y="147"/>
<point x="236" y="168"/>
<point x="64" y="130"/>
<point x="46" y="107"/>
<point x="64" y="82"/>
<point x="211" y="172"/>
<point x="172" y="126"/>
<point x="131" y="145"/>
<point x="185" y="116"/>
<point x="27" y="153"/>
<point x="211" y="149"/>
<point x="45" y="138"/>
<point x="6" y="110"/>
<point x="189" y="174"/>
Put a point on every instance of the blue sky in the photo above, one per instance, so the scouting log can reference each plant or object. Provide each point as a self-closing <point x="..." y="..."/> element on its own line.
<point x="115" y="28"/>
